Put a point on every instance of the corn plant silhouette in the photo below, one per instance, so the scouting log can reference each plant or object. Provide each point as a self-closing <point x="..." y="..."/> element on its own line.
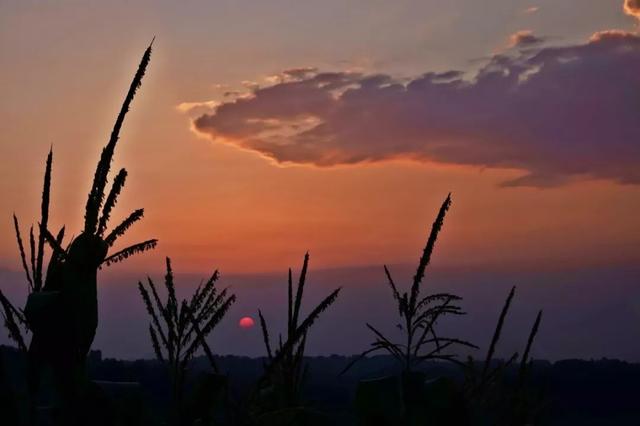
<point x="285" y="370"/>
<point x="14" y="319"/>
<point x="186" y="326"/>
<point x="485" y="389"/>
<point x="61" y="310"/>
<point x="420" y="315"/>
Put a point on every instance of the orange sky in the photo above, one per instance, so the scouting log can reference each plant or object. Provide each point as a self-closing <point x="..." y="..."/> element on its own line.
<point x="212" y="204"/>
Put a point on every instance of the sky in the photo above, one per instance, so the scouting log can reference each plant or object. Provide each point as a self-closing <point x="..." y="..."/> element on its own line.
<point x="264" y="129"/>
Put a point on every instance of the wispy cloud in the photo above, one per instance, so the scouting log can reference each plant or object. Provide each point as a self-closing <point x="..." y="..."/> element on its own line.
<point x="191" y="106"/>
<point x="524" y="38"/>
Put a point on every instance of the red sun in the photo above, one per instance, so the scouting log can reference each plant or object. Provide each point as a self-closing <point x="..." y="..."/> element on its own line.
<point x="246" y="322"/>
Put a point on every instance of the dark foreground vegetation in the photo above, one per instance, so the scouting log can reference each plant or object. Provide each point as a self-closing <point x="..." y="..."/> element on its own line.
<point x="576" y="392"/>
<point x="52" y="378"/>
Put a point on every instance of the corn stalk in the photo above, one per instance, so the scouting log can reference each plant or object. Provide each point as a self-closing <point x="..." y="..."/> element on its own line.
<point x="178" y="329"/>
<point x="285" y="370"/>
<point x="61" y="310"/>
<point x="420" y="315"/>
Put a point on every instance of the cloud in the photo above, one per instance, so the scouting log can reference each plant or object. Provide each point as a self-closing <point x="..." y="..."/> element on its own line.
<point x="253" y="85"/>
<point x="612" y="35"/>
<point x="191" y="106"/>
<point x="632" y="8"/>
<point x="532" y="9"/>
<point x="302" y="72"/>
<point x="554" y="112"/>
<point x="524" y="38"/>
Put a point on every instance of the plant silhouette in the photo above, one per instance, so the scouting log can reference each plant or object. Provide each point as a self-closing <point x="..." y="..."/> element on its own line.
<point x="61" y="317"/>
<point x="62" y="307"/>
<point x="279" y="390"/>
<point x="492" y="397"/>
<point x="419" y="315"/>
<point x="186" y="326"/>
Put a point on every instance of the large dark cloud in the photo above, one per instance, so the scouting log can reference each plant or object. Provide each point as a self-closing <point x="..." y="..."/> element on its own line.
<point x="554" y="112"/>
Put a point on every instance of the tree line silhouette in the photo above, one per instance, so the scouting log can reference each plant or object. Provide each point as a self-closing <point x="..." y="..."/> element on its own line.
<point x="56" y="328"/>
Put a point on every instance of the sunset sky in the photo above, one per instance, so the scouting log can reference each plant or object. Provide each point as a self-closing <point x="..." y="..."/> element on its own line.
<point x="267" y="128"/>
